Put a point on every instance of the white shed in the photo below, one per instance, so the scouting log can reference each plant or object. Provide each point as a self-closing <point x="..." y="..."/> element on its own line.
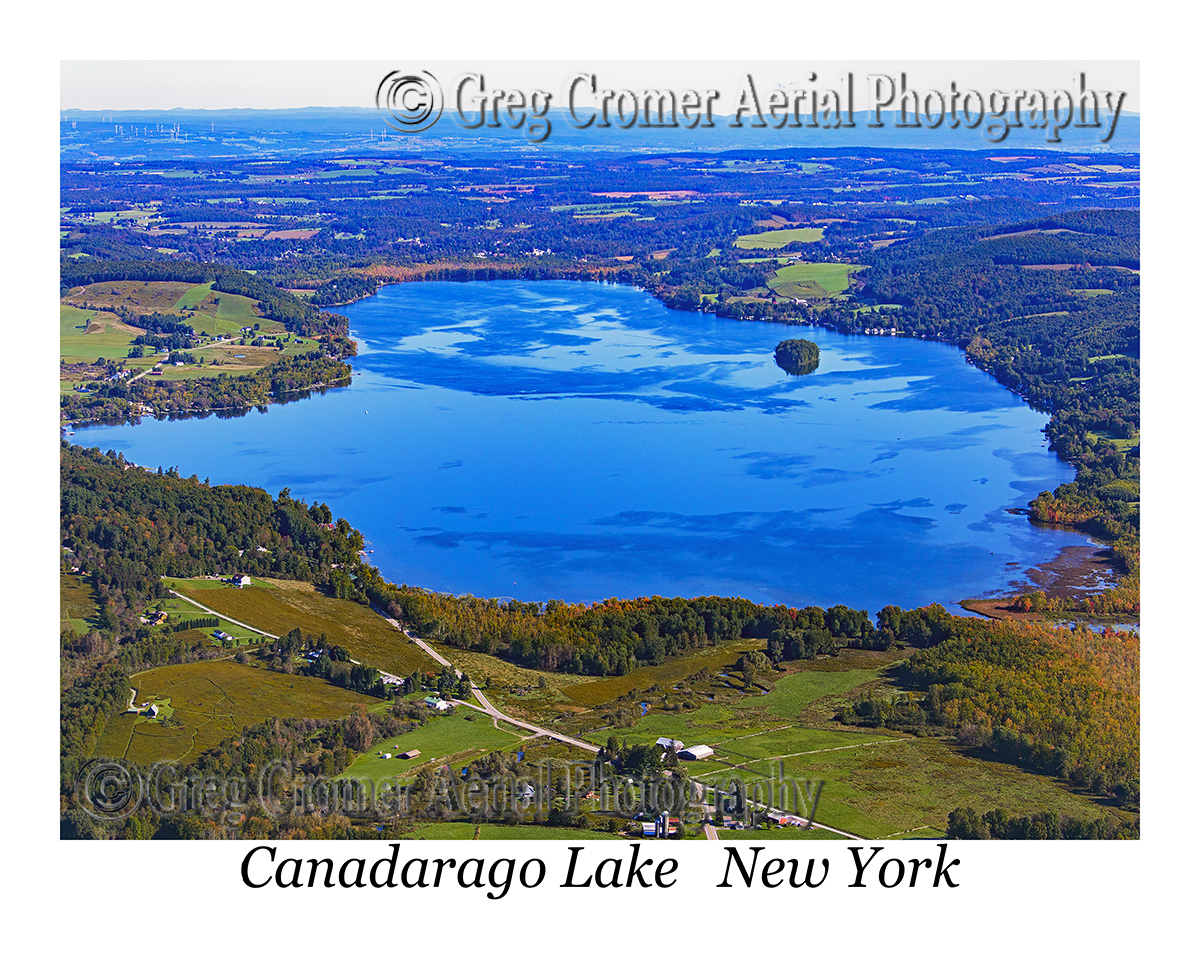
<point x="699" y="752"/>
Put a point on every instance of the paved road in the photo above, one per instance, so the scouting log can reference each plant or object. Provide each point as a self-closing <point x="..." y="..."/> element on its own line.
<point x="487" y="707"/>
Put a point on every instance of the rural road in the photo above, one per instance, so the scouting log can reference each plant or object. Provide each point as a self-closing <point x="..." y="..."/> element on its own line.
<point x="488" y="707"/>
<point x="710" y="831"/>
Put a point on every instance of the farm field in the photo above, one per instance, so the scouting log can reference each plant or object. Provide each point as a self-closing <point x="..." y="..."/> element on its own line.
<point x="88" y="334"/>
<point x="809" y="281"/>
<point x="84" y="335"/>
<point x="439" y="740"/>
<point x="77" y="604"/>
<point x="188" y="611"/>
<point x="285" y="604"/>
<point x="714" y="659"/>
<point x="212" y="700"/>
<point x="774" y="239"/>
<point x="784" y="833"/>
<point x="903" y="785"/>
<point x="502" y="831"/>
<point x="135" y="296"/>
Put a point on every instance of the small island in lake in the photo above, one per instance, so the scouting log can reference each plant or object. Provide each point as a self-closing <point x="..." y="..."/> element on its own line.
<point x="798" y="356"/>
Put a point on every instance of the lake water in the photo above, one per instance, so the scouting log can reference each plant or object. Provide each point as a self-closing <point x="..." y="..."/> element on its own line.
<point x="581" y="441"/>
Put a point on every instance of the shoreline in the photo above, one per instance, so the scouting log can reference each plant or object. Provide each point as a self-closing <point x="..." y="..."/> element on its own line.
<point x="1076" y="573"/>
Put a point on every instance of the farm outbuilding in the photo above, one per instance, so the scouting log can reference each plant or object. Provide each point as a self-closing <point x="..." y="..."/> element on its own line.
<point x="699" y="752"/>
<point x="409" y="755"/>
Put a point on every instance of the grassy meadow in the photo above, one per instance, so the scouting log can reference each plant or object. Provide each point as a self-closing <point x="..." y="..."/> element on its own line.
<point x="774" y="239"/>
<point x="812" y="281"/>
<point x="281" y="605"/>
<point x="443" y="739"/>
<point x="209" y="701"/>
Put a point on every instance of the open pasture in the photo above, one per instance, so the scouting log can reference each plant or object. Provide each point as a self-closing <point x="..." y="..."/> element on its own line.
<point x="774" y="239"/>
<point x="136" y="296"/>
<point x="809" y="281"/>
<point x="440" y="740"/>
<point x="907" y="786"/>
<point x="213" y="700"/>
<point x="77" y="604"/>
<point x="369" y="638"/>
<point x="84" y="335"/>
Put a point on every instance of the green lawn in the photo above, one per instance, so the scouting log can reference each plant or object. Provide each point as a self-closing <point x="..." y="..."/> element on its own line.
<point x="774" y="239"/>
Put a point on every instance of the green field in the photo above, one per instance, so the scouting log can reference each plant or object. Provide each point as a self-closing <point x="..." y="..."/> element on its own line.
<point x="774" y="239"/>
<point x="782" y="833"/>
<point x="77" y="604"/>
<point x="521" y="831"/>
<point x="84" y="335"/>
<point x="502" y="831"/>
<point x="1121" y="443"/>
<point x="211" y="701"/>
<point x="438" y="740"/>
<point x="192" y="298"/>
<point x="716" y="659"/>
<point x="909" y="786"/>
<point x="721" y="723"/>
<point x="812" y="281"/>
<point x="367" y="636"/>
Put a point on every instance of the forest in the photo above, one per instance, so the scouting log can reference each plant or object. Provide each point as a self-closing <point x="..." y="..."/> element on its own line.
<point x="798" y="356"/>
<point x="1058" y="701"/>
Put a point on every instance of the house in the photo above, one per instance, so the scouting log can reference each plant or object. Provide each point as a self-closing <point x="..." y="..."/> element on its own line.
<point x="152" y="712"/>
<point x="436" y="703"/>
<point x="699" y="752"/>
<point x="668" y="744"/>
<point x="242" y="581"/>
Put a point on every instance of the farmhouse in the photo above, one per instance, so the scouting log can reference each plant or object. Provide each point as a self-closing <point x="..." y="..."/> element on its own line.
<point x="668" y="744"/>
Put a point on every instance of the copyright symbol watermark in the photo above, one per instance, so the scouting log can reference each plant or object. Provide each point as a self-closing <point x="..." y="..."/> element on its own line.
<point x="109" y="790"/>
<point x="413" y="101"/>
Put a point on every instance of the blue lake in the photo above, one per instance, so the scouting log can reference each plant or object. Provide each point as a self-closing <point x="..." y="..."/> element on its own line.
<point x="581" y="441"/>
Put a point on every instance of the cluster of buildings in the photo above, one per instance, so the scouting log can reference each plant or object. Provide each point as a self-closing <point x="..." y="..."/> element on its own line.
<point x="700" y="751"/>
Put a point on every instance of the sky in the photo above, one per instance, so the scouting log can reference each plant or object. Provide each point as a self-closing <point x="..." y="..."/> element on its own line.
<point x="275" y="84"/>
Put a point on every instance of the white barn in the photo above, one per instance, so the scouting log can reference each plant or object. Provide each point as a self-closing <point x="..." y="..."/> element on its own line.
<point x="699" y="752"/>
